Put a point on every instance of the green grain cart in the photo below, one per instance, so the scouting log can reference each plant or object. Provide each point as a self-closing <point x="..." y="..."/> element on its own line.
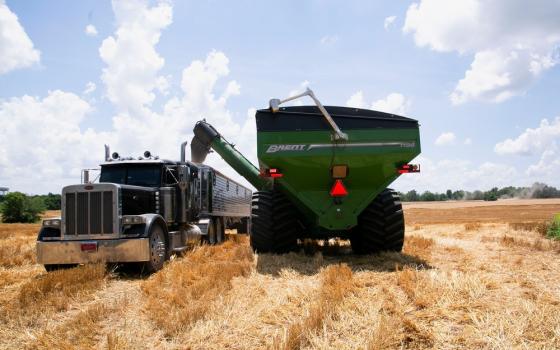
<point x="323" y="173"/>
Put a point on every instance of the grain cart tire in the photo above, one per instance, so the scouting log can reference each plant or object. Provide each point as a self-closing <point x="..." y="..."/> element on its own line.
<point x="158" y="250"/>
<point x="380" y="225"/>
<point x="274" y="224"/>
<point x="56" y="267"/>
<point x="216" y="231"/>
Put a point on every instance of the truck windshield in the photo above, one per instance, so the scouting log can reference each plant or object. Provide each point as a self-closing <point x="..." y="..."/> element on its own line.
<point x="147" y="175"/>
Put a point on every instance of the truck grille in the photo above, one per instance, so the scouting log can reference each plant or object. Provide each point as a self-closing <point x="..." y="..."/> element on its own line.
<point x="89" y="213"/>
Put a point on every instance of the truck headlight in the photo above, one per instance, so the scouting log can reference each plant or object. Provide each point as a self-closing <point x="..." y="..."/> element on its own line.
<point x="51" y="223"/>
<point x="133" y="220"/>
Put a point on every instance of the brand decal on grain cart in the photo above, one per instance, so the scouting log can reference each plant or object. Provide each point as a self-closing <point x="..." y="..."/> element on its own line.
<point x="323" y="172"/>
<point x="276" y="148"/>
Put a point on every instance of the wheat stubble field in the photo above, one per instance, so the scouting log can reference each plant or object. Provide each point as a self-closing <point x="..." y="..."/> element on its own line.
<point x="472" y="275"/>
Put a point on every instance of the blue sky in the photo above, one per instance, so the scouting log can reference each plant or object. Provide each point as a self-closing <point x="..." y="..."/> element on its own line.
<point x="250" y="51"/>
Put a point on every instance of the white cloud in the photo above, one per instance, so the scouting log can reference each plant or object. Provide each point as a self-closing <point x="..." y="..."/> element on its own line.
<point x="90" y="87"/>
<point x="446" y="138"/>
<point x="16" y="49"/>
<point x="388" y="22"/>
<point x="42" y="145"/>
<point x="91" y="30"/>
<point x="357" y="100"/>
<point x="512" y="43"/>
<point x="548" y="166"/>
<point x="132" y="61"/>
<point x="394" y="103"/>
<point x="543" y="141"/>
<point x="532" y="141"/>
<point x="468" y="141"/>
<point x="44" y="137"/>
<point x="329" y="40"/>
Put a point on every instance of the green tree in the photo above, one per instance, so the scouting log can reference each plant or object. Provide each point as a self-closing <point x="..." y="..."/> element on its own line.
<point x="449" y="194"/>
<point x="18" y="207"/>
<point x="52" y="201"/>
<point x="412" y="196"/>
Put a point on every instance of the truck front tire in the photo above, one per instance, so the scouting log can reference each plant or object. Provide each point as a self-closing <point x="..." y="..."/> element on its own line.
<point x="158" y="250"/>
<point x="274" y="224"/>
<point x="380" y="225"/>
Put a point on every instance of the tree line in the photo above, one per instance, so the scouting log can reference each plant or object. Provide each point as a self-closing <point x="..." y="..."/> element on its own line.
<point x="537" y="190"/>
<point x="19" y="207"/>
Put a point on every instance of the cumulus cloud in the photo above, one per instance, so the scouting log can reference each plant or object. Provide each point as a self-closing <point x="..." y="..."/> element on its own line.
<point x="132" y="60"/>
<point x="16" y="49"/>
<point x="532" y="141"/>
<point x="42" y="145"/>
<point x="512" y="43"/>
<point x="91" y="30"/>
<point x="548" y="166"/>
<point x="389" y="21"/>
<point x="543" y="141"/>
<point x="446" y="138"/>
<point x="394" y="103"/>
<point x="44" y="136"/>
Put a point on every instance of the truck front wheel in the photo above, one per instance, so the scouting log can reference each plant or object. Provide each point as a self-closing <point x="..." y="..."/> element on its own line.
<point x="158" y="250"/>
<point x="274" y="224"/>
<point x="380" y="225"/>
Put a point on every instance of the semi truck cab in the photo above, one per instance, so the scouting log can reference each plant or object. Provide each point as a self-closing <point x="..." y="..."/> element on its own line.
<point x="142" y="210"/>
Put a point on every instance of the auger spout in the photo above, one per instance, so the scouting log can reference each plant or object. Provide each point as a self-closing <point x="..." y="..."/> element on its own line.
<point x="206" y="137"/>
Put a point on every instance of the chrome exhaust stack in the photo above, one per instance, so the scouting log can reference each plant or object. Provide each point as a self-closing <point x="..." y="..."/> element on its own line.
<point x="107" y="153"/>
<point x="183" y="156"/>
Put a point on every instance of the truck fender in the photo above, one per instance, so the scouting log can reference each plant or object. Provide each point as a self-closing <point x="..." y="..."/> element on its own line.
<point x="48" y="232"/>
<point x="151" y="220"/>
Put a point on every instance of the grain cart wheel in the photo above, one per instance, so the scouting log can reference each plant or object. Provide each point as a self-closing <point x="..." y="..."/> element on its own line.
<point x="274" y="224"/>
<point x="380" y="225"/>
<point x="158" y="250"/>
<point x="216" y="231"/>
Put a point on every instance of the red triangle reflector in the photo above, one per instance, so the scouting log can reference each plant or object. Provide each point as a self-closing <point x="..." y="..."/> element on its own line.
<point x="338" y="189"/>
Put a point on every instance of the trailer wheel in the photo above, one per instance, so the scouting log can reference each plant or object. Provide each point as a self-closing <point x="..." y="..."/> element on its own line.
<point x="380" y="225"/>
<point x="158" y="250"/>
<point x="216" y="231"/>
<point x="274" y="224"/>
<point x="56" y="267"/>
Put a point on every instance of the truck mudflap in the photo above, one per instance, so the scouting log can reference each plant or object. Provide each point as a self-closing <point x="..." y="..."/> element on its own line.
<point x="91" y="251"/>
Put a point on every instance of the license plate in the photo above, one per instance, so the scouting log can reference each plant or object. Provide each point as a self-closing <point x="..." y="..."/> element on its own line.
<point x="89" y="247"/>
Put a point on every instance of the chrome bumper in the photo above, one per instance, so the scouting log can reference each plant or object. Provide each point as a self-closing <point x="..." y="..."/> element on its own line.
<point x="108" y="250"/>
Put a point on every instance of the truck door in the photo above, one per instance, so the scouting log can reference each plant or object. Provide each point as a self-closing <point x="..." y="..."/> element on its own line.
<point x="194" y="187"/>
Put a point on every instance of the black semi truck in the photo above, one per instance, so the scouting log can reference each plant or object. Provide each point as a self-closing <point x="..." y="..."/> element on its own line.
<point x="142" y="210"/>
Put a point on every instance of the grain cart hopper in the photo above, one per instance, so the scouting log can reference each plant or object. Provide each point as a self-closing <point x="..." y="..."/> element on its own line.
<point x="323" y="172"/>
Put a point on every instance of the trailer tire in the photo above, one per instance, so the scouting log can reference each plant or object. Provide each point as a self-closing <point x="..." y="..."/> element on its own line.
<point x="159" y="251"/>
<point x="380" y="225"/>
<point x="274" y="224"/>
<point x="216" y="231"/>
